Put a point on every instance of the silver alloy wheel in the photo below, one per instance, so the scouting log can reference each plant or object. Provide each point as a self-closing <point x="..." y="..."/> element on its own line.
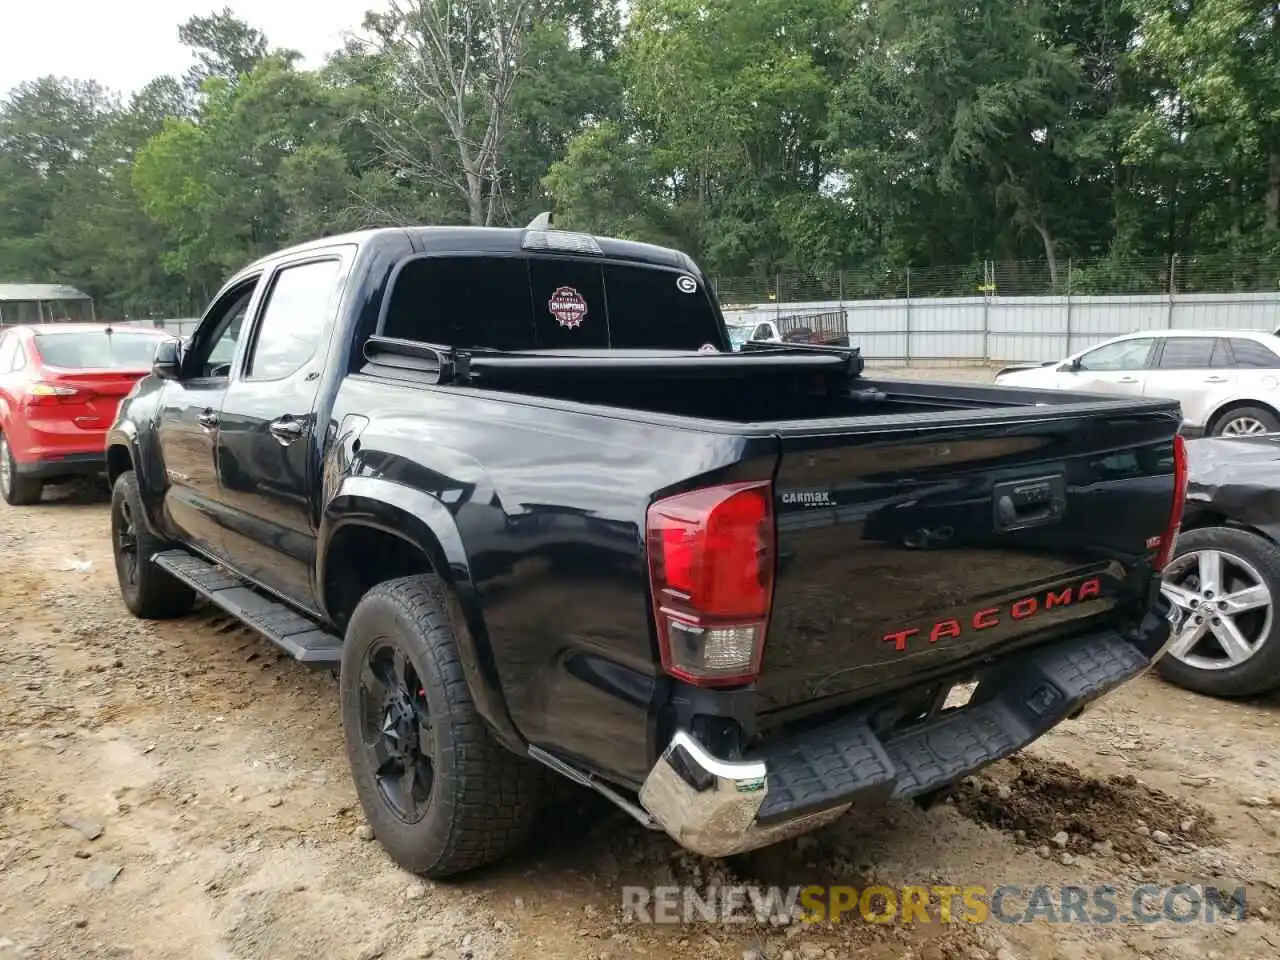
<point x="1226" y="605"/>
<point x="1243" y="427"/>
<point x="5" y="478"/>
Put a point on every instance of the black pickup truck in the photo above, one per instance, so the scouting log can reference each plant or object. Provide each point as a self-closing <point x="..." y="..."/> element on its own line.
<point x="515" y="487"/>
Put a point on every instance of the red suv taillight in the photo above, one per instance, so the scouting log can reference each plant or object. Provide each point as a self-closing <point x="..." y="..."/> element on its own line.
<point x="711" y="577"/>
<point x="1169" y="540"/>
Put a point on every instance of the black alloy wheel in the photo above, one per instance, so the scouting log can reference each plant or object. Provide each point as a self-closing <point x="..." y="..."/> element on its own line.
<point x="396" y="729"/>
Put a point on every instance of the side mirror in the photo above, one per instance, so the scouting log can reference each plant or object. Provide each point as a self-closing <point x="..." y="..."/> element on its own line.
<point x="1071" y="366"/>
<point x="167" y="364"/>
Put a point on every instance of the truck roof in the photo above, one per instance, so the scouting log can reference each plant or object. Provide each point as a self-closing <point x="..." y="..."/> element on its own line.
<point x="493" y="240"/>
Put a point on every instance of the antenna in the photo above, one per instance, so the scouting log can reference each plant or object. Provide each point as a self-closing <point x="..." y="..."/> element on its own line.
<point x="541" y="222"/>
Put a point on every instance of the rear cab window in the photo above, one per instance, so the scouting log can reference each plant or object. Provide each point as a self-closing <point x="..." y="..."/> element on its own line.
<point x="549" y="303"/>
<point x="97" y="349"/>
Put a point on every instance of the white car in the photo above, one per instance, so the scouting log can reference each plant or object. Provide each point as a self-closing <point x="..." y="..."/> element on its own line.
<point x="740" y="333"/>
<point x="1228" y="381"/>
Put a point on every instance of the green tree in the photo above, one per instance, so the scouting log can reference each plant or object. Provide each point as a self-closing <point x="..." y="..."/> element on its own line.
<point x="46" y="128"/>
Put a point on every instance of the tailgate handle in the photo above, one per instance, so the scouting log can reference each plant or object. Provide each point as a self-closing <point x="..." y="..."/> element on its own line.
<point x="1029" y="503"/>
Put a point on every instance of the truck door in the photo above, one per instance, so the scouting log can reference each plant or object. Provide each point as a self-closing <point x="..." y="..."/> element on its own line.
<point x="187" y="425"/>
<point x="268" y="439"/>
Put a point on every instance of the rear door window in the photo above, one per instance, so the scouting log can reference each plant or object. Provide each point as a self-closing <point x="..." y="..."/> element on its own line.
<point x="1194" y="353"/>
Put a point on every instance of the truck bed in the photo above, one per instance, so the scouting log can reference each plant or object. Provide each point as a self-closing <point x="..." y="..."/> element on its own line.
<point x="797" y="386"/>
<point x="901" y="556"/>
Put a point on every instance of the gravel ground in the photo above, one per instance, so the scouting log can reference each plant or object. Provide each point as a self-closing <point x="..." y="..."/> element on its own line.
<point x="178" y="790"/>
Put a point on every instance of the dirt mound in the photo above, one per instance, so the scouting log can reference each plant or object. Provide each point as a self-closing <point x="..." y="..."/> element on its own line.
<point x="1038" y="800"/>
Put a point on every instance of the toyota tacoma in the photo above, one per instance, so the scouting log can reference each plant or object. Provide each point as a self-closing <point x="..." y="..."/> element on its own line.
<point x="517" y="489"/>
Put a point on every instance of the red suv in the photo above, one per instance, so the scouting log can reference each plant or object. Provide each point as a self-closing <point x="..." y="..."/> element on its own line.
<point x="60" y="386"/>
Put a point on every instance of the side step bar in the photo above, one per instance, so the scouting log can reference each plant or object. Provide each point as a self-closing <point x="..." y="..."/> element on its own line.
<point x="302" y="639"/>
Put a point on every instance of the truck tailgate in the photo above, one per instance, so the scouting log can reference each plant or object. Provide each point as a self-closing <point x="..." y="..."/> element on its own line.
<point x="908" y="549"/>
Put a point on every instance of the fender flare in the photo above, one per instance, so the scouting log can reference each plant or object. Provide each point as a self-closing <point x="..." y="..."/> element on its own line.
<point x="124" y="435"/>
<point x="425" y="522"/>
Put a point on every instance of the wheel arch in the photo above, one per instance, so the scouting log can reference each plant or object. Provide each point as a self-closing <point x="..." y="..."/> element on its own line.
<point x="1216" y="417"/>
<point x="119" y="460"/>
<point x="373" y="531"/>
<point x="1209" y="517"/>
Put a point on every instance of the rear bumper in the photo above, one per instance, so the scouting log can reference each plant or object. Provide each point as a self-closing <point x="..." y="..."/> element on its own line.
<point x="68" y="465"/>
<point x="718" y="808"/>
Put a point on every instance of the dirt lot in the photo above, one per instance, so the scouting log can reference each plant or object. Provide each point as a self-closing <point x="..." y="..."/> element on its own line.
<point x="213" y="770"/>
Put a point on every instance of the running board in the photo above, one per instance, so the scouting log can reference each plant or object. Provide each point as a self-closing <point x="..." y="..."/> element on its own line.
<point x="302" y="639"/>
<point x="591" y="782"/>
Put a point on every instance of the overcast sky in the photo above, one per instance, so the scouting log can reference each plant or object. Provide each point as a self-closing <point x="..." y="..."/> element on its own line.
<point x="125" y="43"/>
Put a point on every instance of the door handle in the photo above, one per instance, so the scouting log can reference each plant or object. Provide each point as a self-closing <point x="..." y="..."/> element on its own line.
<point x="1215" y="379"/>
<point x="285" y="430"/>
<point x="207" y="419"/>
<point x="1127" y="380"/>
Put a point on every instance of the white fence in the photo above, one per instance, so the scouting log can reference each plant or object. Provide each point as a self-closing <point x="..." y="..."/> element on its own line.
<point x="986" y="329"/>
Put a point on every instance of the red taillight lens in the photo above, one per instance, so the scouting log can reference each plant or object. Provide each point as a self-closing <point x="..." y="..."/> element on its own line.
<point x="711" y="575"/>
<point x="41" y="394"/>
<point x="1169" y="540"/>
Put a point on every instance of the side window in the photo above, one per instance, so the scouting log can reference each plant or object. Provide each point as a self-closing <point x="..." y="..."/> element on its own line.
<point x="19" y="356"/>
<point x="1115" y="357"/>
<point x="1249" y="354"/>
<point x="292" y="319"/>
<point x="1193" y="353"/>
<point x="761" y="332"/>
<point x="213" y="344"/>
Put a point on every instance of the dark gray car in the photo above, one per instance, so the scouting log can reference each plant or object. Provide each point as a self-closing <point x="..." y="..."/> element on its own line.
<point x="1225" y="572"/>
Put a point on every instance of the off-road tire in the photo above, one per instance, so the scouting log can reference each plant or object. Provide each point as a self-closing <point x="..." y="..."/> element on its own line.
<point x="20" y="491"/>
<point x="153" y="594"/>
<point x="483" y="798"/>
<point x="1261" y="672"/>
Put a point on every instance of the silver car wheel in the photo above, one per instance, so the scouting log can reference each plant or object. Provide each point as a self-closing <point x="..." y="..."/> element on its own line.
<point x="1243" y="427"/>
<point x="1227" y="609"/>
<point x="5" y="476"/>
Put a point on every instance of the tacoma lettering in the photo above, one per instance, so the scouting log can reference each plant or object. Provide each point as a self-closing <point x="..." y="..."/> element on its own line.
<point x="1021" y="609"/>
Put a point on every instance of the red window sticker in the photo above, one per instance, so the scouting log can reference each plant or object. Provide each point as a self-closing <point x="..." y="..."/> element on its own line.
<point x="567" y="306"/>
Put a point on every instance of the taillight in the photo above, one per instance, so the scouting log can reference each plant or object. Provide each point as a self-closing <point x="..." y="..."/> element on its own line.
<point x="1169" y="540"/>
<point x="711" y="576"/>
<point x="41" y="394"/>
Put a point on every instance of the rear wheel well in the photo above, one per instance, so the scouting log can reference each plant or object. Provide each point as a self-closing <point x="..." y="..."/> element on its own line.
<point x="1208" y="519"/>
<point x="1222" y="414"/>
<point x="118" y="461"/>
<point x="358" y="559"/>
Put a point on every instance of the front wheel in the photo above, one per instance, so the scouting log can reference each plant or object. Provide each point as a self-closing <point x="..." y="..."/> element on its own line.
<point x="147" y="590"/>
<point x="443" y="797"/>
<point x="1224" y="581"/>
